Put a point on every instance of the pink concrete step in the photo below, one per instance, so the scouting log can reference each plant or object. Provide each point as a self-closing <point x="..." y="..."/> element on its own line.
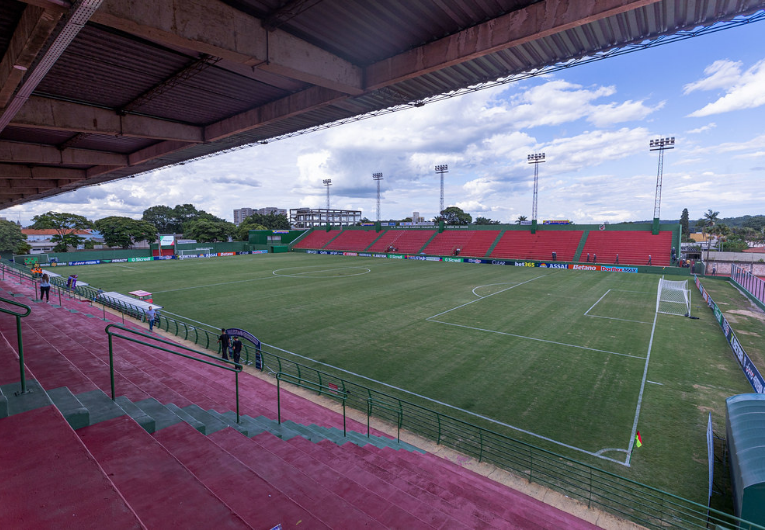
<point x="303" y="489"/>
<point x="48" y="479"/>
<point x="255" y="500"/>
<point x="157" y="486"/>
<point x="378" y="494"/>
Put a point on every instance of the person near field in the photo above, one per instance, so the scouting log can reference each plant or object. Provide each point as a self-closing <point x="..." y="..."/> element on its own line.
<point x="594" y="258"/>
<point x="554" y="256"/>
<point x="151" y="315"/>
<point x="714" y="270"/>
<point x="617" y="260"/>
<point x="649" y="259"/>
<point x="45" y="288"/>
<point x="225" y="343"/>
<point x="236" y="349"/>
<point x="588" y="257"/>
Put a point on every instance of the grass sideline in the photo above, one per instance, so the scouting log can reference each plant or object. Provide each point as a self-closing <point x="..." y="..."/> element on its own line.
<point x="558" y="354"/>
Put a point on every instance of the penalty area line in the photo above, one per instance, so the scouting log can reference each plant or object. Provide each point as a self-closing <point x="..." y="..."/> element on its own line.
<point x="215" y="284"/>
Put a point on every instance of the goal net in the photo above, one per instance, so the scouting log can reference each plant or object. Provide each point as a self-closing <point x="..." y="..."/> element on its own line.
<point x="30" y="260"/>
<point x="673" y="298"/>
<point x="194" y="253"/>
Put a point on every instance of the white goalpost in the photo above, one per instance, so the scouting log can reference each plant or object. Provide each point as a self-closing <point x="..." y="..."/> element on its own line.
<point x="194" y="253"/>
<point x="673" y="298"/>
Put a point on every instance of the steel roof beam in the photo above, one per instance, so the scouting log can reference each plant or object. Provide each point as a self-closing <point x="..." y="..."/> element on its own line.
<point x="18" y="171"/>
<point x="52" y="114"/>
<point x="28" y="40"/>
<point x="541" y="19"/>
<point x="24" y="153"/>
<point x="292" y="105"/>
<point x="213" y="28"/>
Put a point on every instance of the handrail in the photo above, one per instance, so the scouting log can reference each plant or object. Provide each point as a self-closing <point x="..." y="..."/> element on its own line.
<point x="18" y="316"/>
<point x="336" y="393"/>
<point x="236" y="369"/>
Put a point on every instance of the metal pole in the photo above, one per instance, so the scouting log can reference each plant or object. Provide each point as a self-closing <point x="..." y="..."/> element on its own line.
<point x="59" y="296"/>
<point x="236" y="374"/>
<point x="21" y="355"/>
<point x="35" y="284"/>
<point x="278" y="401"/>
<point x="441" y="169"/>
<point x="111" y="364"/>
<point x="378" y="177"/>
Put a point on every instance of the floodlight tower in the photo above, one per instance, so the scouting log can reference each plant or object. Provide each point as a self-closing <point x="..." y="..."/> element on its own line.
<point x="536" y="159"/>
<point x="442" y="168"/>
<point x="327" y="183"/>
<point x="660" y="145"/>
<point x="378" y="177"/>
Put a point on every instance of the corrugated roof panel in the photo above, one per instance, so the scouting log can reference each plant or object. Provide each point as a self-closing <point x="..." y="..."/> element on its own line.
<point x="116" y="144"/>
<point x="9" y="18"/>
<point x="35" y="136"/>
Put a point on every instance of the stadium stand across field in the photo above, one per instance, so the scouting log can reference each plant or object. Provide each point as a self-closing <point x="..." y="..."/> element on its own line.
<point x="633" y="243"/>
<point x="541" y="245"/>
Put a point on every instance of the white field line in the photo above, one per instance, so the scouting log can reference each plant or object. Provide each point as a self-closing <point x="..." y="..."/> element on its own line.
<point x="596" y="303"/>
<point x="496" y="422"/>
<point x="538" y="340"/>
<point x="125" y="266"/>
<point x="613" y="318"/>
<point x="487" y="296"/>
<point x="301" y="274"/>
<point x="642" y="388"/>
<point x="655" y="383"/>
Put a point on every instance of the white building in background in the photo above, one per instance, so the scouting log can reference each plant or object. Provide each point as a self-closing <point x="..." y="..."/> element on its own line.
<point x="416" y="218"/>
<point x="243" y="213"/>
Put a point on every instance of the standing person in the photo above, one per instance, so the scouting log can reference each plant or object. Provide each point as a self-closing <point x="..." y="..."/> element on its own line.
<point x="45" y="288"/>
<point x="554" y="256"/>
<point x="236" y="349"/>
<point x="649" y="259"/>
<point x="617" y="259"/>
<point x="224" y="341"/>
<point x="594" y="258"/>
<point x="151" y="314"/>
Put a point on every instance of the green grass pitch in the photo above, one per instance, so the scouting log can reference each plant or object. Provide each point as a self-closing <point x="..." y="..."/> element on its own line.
<point x="557" y="358"/>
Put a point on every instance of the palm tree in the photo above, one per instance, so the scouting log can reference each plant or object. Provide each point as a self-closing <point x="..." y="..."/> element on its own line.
<point x="708" y="222"/>
<point x="521" y="218"/>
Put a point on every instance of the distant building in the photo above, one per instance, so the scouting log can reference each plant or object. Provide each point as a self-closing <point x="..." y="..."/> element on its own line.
<point x="416" y="217"/>
<point x="40" y="240"/>
<point x="243" y="213"/>
<point x="308" y="218"/>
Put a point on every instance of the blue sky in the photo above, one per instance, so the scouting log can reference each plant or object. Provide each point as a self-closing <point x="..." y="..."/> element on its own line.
<point x="593" y="122"/>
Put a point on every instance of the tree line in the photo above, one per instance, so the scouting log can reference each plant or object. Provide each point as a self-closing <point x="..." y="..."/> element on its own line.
<point x="123" y="232"/>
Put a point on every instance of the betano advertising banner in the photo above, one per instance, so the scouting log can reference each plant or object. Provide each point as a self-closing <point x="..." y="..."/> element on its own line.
<point x="750" y="370"/>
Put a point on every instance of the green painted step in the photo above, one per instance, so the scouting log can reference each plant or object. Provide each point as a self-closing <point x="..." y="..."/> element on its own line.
<point x="230" y="422"/>
<point x="72" y="408"/>
<point x="211" y="423"/>
<point x="34" y="398"/>
<point x="132" y="410"/>
<point x="100" y="406"/>
<point x="188" y="418"/>
<point x="491" y="247"/>
<point x="580" y="248"/>
<point x="163" y="416"/>
<point x="431" y="238"/>
<point x="3" y="405"/>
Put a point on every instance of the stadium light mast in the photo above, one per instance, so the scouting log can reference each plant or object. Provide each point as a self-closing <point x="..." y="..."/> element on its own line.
<point x="378" y="177"/>
<point x="441" y="169"/>
<point x="536" y="159"/>
<point x="327" y="183"/>
<point x="660" y="145"/>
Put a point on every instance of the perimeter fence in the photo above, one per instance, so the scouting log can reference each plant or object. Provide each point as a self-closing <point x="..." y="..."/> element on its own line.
<point x="595" y="487"/>
<point x="750" y="283"/>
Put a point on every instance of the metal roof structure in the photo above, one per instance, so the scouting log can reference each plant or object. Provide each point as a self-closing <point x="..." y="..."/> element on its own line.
<point x="96" y="90"/>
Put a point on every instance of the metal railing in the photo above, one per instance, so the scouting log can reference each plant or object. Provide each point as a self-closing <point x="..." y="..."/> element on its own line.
<point x="236" y="367"/>
<point x="18" y="316"/>
<point x="335" y="393"/>
<point x="643" y="504"/>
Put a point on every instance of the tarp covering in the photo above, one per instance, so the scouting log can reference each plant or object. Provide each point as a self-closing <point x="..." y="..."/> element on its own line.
<point x="745" y="427"/>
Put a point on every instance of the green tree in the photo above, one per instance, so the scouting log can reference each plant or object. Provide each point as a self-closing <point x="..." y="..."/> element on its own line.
<point x="124" y="231"/>
<point x="520" y="219"/>
<point x="208" y="230"/>
<point x="163" y="219"/>
<point x="65" y="225"/>
<point x="454" y="215"/>
<point x="270" y="221"/>
<point x="684" y="224"/>
<point x="10" y="236"/>
<point x="89" y="244"/>
<point x="484" y="221"/>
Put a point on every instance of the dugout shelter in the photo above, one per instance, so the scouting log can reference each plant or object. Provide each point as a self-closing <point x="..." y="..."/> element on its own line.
<point x="745" y="430"/>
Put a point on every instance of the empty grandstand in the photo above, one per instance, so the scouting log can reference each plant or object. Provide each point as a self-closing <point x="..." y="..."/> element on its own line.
<point x="406" y="241"/>
<point x="472" y="243"/>
<point x="632" y="247"/>
<point x="316" y="239"/>
<point x="353" y="240"/>
<point x="522" y="244"/>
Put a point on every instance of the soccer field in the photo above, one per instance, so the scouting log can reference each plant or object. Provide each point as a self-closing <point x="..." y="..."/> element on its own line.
<point x="573" y="361"/>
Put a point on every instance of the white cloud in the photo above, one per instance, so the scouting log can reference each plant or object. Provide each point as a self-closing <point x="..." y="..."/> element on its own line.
<point x="705" y="128"/>
<point x="747" y="92"/>
<point x="719" y="74"/>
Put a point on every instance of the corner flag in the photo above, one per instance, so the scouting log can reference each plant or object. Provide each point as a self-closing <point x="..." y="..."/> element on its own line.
<point x="638" y="440"/>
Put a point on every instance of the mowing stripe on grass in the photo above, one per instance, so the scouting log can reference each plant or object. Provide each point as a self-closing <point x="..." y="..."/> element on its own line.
<point x="215" y="284"/>
<point x="538" y="340"/>
<point x="613" y="318"/>
<point x="474" y="414"/>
